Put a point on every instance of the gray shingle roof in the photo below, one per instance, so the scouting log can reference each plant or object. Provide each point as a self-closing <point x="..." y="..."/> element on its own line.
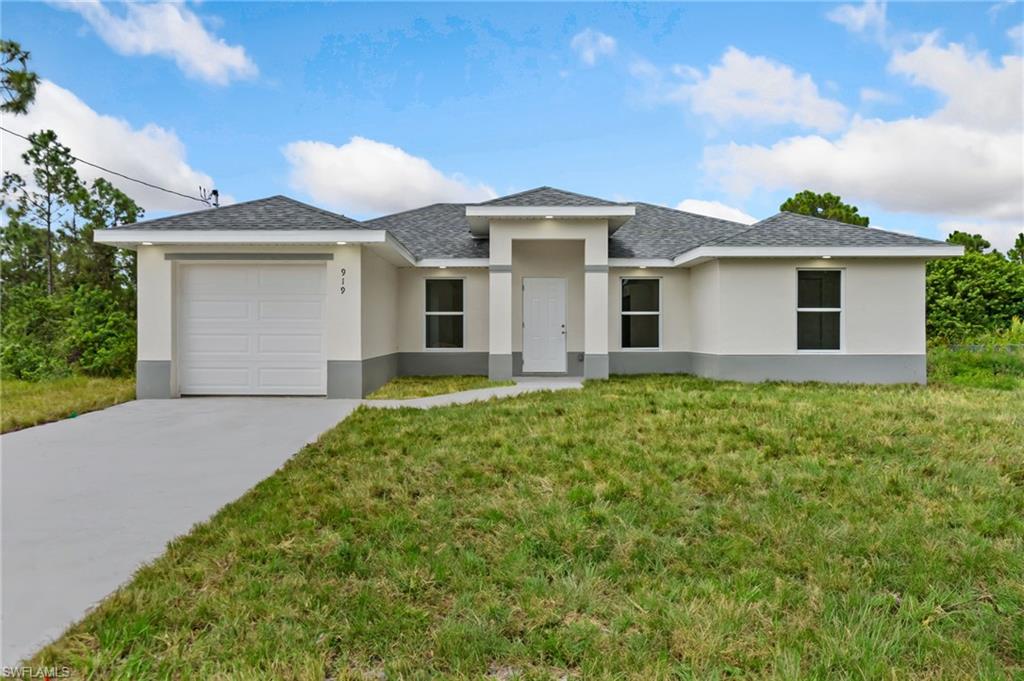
<point x="660" y="232"/>
<point x="440" y="230"/>
<point x="548" y="196"/>
<point x="792" y="229"/>
<point x="275" y="212"/>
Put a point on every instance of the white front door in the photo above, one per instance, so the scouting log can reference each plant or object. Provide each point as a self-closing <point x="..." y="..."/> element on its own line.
<point x="251" y="329"/>
<point x="543" y="324"/>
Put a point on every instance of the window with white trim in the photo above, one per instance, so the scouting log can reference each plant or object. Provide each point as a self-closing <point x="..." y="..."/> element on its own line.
<point x="641" y="313"/>
<point x="819" y="309"/>
<point x="445" y="318"/>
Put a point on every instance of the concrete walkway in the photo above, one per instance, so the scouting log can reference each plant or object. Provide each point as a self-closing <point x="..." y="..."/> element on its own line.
<point x="86" y="501"/>
<point x="523" y="385"/>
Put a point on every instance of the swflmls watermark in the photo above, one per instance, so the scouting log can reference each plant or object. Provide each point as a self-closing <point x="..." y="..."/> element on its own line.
<point x="54" y="672"/>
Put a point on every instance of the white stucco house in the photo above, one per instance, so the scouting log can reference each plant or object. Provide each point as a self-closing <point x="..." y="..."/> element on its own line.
<point x="277" y="297"/>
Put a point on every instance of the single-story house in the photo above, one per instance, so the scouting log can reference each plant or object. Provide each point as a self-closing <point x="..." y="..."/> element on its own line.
<point x="277" y="297"/>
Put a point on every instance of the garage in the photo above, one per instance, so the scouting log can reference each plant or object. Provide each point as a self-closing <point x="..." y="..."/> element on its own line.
<point x="251" y="329"/>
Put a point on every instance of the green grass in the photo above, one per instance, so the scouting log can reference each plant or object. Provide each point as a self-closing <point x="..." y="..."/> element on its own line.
<point x="24" y="403"/>
<point x="644" y="527"/>
<point x="993" y="367"/>
<point x="408" y="387"/>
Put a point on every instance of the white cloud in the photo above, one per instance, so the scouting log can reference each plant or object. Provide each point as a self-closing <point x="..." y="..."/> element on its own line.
<point x="914" y="164"/>
<point x="743" y="87"/>
<point x="169" y="30"/>
<point x="1016" y="35"/>
<point x="977" y="93"/>
<point x="1000" y="234"/>
<point x="867" y="17"/>
<point x="998" y="7"/>
<point x="150" y="153"/>
<point x="591" y="45"/>
<point x="871" y="95"/>
<point x="967" y="159"/>
<point x="365" y="176"/>
<point x="716" y="209"/>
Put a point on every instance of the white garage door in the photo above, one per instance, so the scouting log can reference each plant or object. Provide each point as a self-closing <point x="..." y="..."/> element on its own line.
<point x="251" y="329"/>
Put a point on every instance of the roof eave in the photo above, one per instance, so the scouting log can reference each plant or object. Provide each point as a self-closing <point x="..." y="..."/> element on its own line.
<point x="701" y="254"/>
<point x="133" y="238"/>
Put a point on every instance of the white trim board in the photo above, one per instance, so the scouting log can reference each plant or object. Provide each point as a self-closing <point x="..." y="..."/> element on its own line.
<point x="135" y="237"/>
<point x="703" y="253"/>
<point x="453" y="263"/>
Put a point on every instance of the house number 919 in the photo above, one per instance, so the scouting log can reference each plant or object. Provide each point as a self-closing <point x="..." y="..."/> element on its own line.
<point x="342" y="288"/>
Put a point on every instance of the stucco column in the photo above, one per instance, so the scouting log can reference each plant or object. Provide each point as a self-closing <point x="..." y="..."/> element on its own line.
<point x="499" y="352"/>
<point x="595" y="321"/>
<point x="344" y="323"/>
<point x="155" y="374"/>
<point x="595" y="302"/>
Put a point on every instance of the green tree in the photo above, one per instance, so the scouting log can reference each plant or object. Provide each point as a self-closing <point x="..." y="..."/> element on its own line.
<point x="972" y="243"/>
<point x="17" y="83"/>
<point x="973" y="294"/>
<point x="85" y="262"/>
<point x="828" y="206"/>
<point x="1016" y="252"/>
<point x="49" y="203"/>
<point x="22" y="245"/>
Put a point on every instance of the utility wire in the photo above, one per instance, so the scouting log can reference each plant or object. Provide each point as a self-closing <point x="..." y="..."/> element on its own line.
<point x="114" y="172"/>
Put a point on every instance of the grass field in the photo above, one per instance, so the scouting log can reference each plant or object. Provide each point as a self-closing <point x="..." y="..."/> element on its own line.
<point x="408" y="387"/>
<point x="24" y="403"/>
<point x="644" y="527"/>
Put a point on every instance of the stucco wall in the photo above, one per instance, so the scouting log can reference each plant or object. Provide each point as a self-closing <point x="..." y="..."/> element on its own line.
<point x="675" y="306"/>
<point x="562" y="259"/>
<point x="379" y="293"/>
<point x="729" y="307"/>
<point x="411" y="306"/>
<point x="883" y="306"/>
<point x="705" y="309"/>
<point x="155" y="304"/>
<point x="157" y="282"/>
<point x="504" y="233"/>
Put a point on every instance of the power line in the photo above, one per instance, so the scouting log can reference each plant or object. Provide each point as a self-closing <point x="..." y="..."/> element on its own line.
<point x="114" y="172"/>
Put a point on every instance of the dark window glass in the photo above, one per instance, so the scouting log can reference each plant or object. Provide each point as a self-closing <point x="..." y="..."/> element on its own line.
<point x="444" y="331"/>
<point x="817" y="330"/>
<point x="818" y="288"/>
<point x="640" y="295"/>
<point x="444" y="295"/>
<point x="639" y="330"/>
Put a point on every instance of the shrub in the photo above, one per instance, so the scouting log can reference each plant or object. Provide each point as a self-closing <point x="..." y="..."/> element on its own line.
<point x="973" y="295"/>
<point x="86" y="330"/>
<point x="100" y="336"/>
<point x="32" y="333"/>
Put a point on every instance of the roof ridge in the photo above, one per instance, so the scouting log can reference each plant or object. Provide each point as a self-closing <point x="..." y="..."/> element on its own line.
<point x="310" y="206"/>
<point x="731" y="236"/>
<point x="413" y="210"/>
<point x="509" y="196"/>
<point x="849" y="224"/>
<point x="549" y="187"/>
<point x="818" y="217"/>
<point x="204" y="210"/>
<point x="686" y="212"/>
<point x="231" y="208"/>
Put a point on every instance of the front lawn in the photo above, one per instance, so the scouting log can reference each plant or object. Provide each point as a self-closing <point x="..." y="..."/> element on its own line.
<point x="408" y="387"/>
<point x="30" y="403"/>
<point x="642" y="528"/>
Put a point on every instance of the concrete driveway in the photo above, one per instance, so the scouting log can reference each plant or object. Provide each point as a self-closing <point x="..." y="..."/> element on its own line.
<point x="86" y="501"/>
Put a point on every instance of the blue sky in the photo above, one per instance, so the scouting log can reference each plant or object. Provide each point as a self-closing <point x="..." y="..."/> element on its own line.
<point x="910" y="110"/>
